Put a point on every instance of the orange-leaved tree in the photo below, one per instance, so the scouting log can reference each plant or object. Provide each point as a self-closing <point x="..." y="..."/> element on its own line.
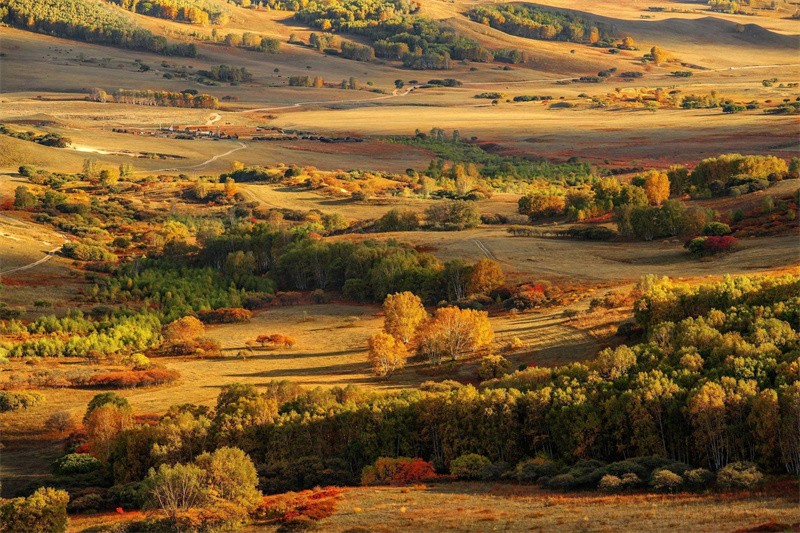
<point x="485" y="277"/>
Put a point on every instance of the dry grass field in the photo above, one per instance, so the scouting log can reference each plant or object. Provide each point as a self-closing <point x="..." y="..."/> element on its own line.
<point x="44" y="84"/>
<point x="331" y="350"/>
<point x="480" y="507"/>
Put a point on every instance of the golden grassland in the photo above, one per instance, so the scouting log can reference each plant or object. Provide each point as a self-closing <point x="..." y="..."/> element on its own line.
<point x="483" y="507"/>
<point x="43" y="84"/>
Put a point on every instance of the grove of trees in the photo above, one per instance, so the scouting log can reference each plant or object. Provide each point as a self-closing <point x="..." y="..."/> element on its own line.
<point x="91" y="21"/>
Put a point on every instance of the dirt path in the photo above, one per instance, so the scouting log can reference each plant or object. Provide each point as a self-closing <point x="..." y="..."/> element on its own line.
<point x="242" y="146"/>
<point x="487" y="252"/>
<point x="19" y="224"/>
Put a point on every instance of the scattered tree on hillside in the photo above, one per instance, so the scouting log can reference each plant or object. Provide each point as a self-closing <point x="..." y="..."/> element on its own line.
<point x="403" y="314"/>
<point x="386" y="353"/>
<point x="453" y="333"/>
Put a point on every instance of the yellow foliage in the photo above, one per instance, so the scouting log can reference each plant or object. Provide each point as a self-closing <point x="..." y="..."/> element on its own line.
<point x="386" y="354"/>
<point x="403" y="314"/>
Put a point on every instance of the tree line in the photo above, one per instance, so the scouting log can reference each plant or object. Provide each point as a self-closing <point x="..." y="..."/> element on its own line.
<point x="712" y="382"/>
<point x="536" y="23"/>
<point x="149" y="97"/>
<point x="91" y="21"/>
<point x="193" y="12"/>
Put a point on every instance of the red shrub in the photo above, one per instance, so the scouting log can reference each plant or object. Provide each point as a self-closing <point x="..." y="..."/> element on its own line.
<point x="715" y="245"/>
<point x="316" y="504"/>
<point x="226" y="315"/>
<point x="275" y="340"/>
<point x="133" y="378"/>
<point x="83" y="448"/>
<point x="399" y="471"/>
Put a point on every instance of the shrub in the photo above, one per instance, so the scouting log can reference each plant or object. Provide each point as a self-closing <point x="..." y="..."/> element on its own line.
<point x="76" y="463"/>
<point x="470" y="466"/>
<point x="86" y="502"/>
<point x="60" y="422"/>
<point x="665" y="480"/>
<point x="399" y="471"/>
<point x="452" y="215"/>
<point x="494" y="366"/>
<point x="13" y="401"/>
<point x="610" y="483"/>
<point x="227" y="315"/>
<point x="398" y="219"/>
<point x="316" y="504"/>
<point x="631" y="480"/>
<point x="533" y="470"/>
<point x="87" y="252"/>
<point x="275" y="340"/>
<point x="45" y="511"/>
<point x="698" y="478"/>
<point x="562" y="482"/>
<point x="716" y="229"/>
<point x="133" y="378"/>
<point x="137" y="361"/>
<point x="706" y="246"/>
<point x="739" y="476"/>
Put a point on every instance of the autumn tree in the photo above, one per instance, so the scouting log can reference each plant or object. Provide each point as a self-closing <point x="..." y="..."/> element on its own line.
<point x="659" y="55"/>
<point x="486" y="276"/>
<point x="656" y="186"/>
<point x="706" y="408"/>
<point x="174" y="489"/>
<point x="386" y="353"/>
<point x="628" y="43"/>
<point x="403" y="314"/>
<point x="183" y="331"/>
<point x="232" y="475"/>
<point x="103" y="424"/>
<point x="454" y="332"/>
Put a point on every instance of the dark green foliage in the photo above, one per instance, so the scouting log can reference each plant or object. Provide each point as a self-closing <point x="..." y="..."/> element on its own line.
<point x="227" y="73"/>
<point x="471" y="466"/>
<point x="45" y="139"/>
<point x="398" y="219"/>
<point x="497" y="169"/>
<point x="452" y="215"/>
<point x="537" y="23"/>
<point x="13" y="401"/>
<point x="420" y="43"/>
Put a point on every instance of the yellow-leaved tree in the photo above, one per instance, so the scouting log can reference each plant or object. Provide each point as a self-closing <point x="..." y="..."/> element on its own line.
<point x="656" y="187"/>
<point x="386" y="354"/>
<point x="403" y="314"/>
<point x="454" y="332"/>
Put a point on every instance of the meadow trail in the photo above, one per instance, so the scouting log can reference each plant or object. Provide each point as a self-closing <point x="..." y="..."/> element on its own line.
<point x="242" y="146"/>
<point x="49" y="254"/>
